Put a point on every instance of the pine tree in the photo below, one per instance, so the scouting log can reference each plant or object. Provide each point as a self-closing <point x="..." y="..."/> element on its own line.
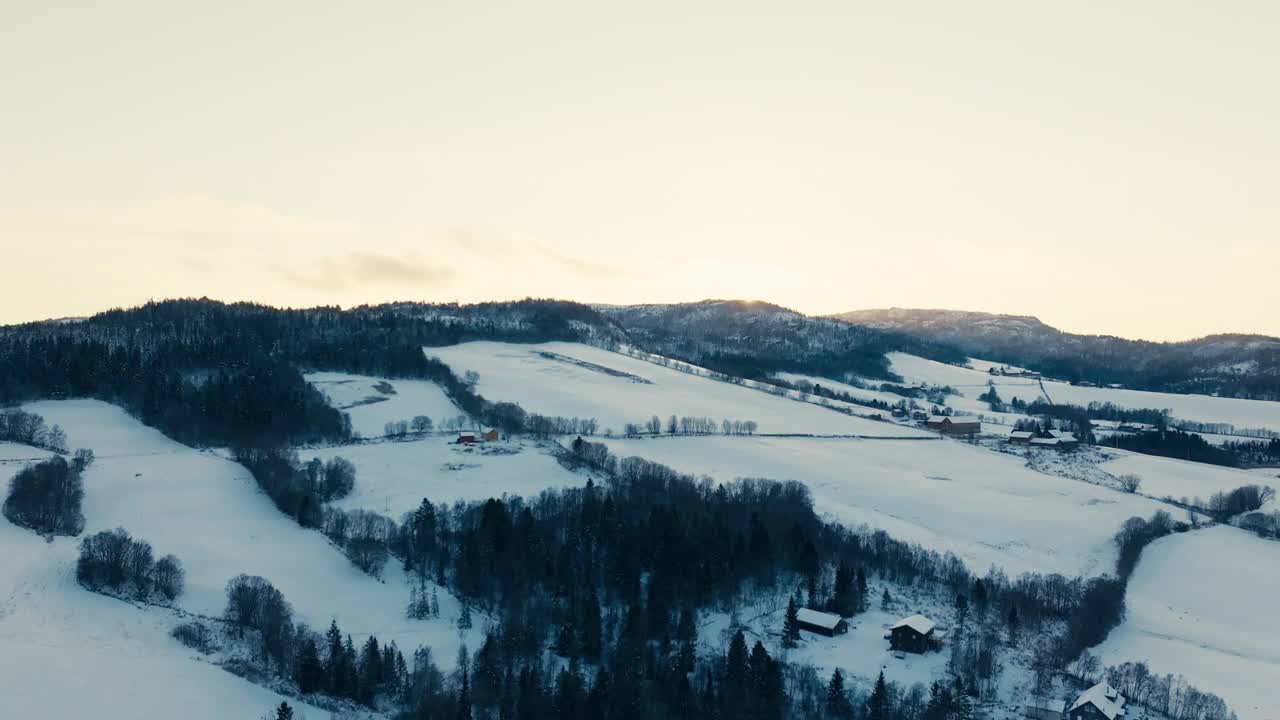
<point x="284" y="712"/>
<point x="791" y="625"/>
<point x="838" y="706"/>
<point x="590" y="640"/>
<point x="464" y="618"/>
<point x="878" y="703"/>
<point x="886" y="602"/>
<point x="311" y="674"/>
<point x="862" y="591"/>
<point x="435" y="603"/>
<point x="464" y="699"/>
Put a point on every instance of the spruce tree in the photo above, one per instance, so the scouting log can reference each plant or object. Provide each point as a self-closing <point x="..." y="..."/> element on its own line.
<point x="464" y="617"/>
<point x="284" y="712"/>
<point x="791" y="625"/>
<point x="878" y="703"/>
<point x="838" y="706"/>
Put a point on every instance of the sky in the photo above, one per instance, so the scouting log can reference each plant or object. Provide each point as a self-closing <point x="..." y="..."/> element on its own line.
<point x="1108" y="167"/>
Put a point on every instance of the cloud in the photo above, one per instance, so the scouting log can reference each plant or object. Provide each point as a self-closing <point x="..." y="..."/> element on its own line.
<point x="579" y="266"/>
<point x="365" y="269"/>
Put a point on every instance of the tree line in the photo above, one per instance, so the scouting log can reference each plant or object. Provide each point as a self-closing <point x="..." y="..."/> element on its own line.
<point x="28" y="428"/>
<point x="115" y="563"/>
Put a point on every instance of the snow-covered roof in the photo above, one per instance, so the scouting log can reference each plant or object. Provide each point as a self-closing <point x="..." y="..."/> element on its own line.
<point x="1045" y="441"/>
<point x="820" y="619"/>
<point x="1104" y="697"/>
<point x="919" y="623"/>
<point x="1063" y="436"/>
<point x="953" y="419"/>
<point x="1021" y="434"/>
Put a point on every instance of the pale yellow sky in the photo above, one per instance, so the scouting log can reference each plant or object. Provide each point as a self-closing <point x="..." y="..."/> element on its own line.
<point x="1109" y="167"/>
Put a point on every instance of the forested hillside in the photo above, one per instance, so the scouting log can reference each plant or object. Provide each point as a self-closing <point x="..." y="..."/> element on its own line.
<point x="1246" y="366"/>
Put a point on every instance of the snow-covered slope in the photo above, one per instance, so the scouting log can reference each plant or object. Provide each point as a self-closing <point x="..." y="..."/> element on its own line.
<point x="1180" y="479"/>
<point x="1200" y="408"/>
<point x="946" y="495"/>
<point x="1203" y="604"/>
<point x="372" y="402"/>
<point x="209" y="512"/>
<point x="392" y="478"/>
<point x="69" y="653"/>
<point x="576" y="380"/>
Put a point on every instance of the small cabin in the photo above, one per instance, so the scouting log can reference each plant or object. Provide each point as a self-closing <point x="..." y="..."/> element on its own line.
<point x="1021" y="437"/>
<point x="948" y="425"/>
<point x="465" y="439"/>
<point x="490" y="435"/>
<point x="821" y="623"/>
<point x="1100" y="702"/>
<point x="913" y="634"/>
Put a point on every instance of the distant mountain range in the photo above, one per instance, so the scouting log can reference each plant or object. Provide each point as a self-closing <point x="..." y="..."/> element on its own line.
<point x="1236" y="365"/>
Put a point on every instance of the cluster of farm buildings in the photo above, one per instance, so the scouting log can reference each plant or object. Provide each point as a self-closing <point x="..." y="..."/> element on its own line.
<point x="919" y="634"/>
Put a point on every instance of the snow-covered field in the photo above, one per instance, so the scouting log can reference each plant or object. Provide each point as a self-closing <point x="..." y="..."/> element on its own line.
<point x="1203" y="604"/>
<point x="69" y="653"/>
<point x="392" y="478"/>
<point x="583" y="381"/>
<point x="373" y="402"/>
<point x="1201" y="408"/>
<point x="840" y="387"/>
<point x="1179" y="479"/>
<point x="209" y="512"/>
<point x="986" y="507"/>
<point x="13" y="456"/>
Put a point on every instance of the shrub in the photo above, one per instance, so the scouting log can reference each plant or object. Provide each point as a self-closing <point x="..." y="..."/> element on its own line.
<point x="46" y="498"/>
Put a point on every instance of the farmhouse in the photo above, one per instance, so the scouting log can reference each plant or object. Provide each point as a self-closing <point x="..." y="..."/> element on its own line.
<point x="1100" y="702"/>
<point x="1022" y="437"/>
<point x="465" y="439"/>
<point x="821" y="623"/>
<point x="954" y="426"/>
<point x="913" y="634"/>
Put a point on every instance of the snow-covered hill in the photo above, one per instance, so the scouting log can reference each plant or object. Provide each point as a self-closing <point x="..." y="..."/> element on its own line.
<point x="986" y="507"/>
<point x="973" y="382"/>
<point x="1202" y="604"/>
<point x="575" y="380"/>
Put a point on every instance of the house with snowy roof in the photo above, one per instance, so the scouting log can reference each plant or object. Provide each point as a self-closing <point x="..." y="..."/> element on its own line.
<point x="821" y="623"/>
<point x="949" y="425"/>
<point x="1100" y="702"/>
<point x="913" y="634"/>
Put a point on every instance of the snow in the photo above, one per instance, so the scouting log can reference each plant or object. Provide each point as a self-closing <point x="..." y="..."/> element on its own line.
<point x="1105" y="698"/>
<point x="208" y="511"/>
<point x="839" y="387"/>
<point x="372" y="402"/>
<point x="1178" y="479"/>
<point x="636" y="390"/>
<point x="919" y="623"/>
<point x="986" y="507"/>
<point x="819" y="619"/>
<point x="13" y="456"/>
<point x="971" y="383"/>
<point x="1203" y="604"/>
<point x="393" y="477"/>
<point x="69" y="653"/>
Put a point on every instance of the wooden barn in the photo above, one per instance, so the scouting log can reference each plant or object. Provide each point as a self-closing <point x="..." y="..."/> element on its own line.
<point x="913" y="634"/>
<point x="465" y="439"/>
<point x="1100" y="702"/>
<point x="821" y="623"/>
<point x="948" y="425"/>
<point x="490" y="435"/>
